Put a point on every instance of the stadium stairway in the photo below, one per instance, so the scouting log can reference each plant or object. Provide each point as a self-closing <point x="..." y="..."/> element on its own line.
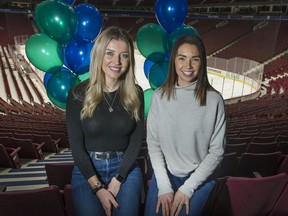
<point x="32" y="174"/>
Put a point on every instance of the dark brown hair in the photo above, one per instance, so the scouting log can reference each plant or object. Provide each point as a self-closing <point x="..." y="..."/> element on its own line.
<point x="203" y="85"/>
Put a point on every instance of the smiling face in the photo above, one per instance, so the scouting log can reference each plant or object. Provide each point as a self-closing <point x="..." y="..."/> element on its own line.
<point x="187" y="64"/>
<point x="116" y="60"/>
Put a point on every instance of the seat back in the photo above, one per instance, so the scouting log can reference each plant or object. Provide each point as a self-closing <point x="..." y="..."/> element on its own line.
<point x="282" y="138"/>
<point x="262" y="147"/>
<point x="265" y="164"/>
<point x="239" y="196"/>
<point x="23" y="136"/>
<point x="227" y="166"/>
<point x="6" y="134"/>
<point x="28" y="150"/>
<point x="238" y="140"/>
<point x="45" y="201"/>
<point x="59" y="174"/>
<point x="6" y="141"/>
<point x="63" y="143"/>
<point x="255" y="196"/>
<point x="264" y="139"/>
<point x="283" y="147"/>
<point x="238" y="148"/>
<point x="5" y="160"/>
<point x="49" y="145"/>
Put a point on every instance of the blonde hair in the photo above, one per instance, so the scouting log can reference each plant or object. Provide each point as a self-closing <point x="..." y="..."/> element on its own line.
<point x="128" y="91"/>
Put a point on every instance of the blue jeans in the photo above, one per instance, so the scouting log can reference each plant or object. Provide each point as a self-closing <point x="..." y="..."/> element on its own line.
<point x="197" y="200"/>
<point x="87" y="204"/>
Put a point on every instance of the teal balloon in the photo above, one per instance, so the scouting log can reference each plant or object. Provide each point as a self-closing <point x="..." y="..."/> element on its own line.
<point x="44" y="53"/>
<point x="181" y="31"/>
<point x="152" y="42"/>
<point x="158" y="74"/>
<point x="58" y="87"/>
<point x="147" y="100"/>
<point x="57" y="19"/>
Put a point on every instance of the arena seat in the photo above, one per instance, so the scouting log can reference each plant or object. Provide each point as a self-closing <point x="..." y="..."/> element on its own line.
<point x="59" y="174"/>
<point x="45" y="201"/>
<point x="265" y="164"/>
<point x="240" y="196"/>
<point x="9" y="157"/>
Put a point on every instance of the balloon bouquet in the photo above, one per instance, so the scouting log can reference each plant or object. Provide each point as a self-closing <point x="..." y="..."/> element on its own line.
<point x="155" y="41"/>
<point x="62" y="48"/>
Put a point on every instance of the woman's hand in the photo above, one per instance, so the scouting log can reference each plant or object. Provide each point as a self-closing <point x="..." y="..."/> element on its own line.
<point x="180" y="200"/>
<point x="107" y="199"/>
<point x="165" y="203"/>
<point x="114" y="186"/>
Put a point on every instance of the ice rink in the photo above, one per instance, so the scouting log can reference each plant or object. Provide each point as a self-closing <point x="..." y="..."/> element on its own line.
<point x="229" y="88"/>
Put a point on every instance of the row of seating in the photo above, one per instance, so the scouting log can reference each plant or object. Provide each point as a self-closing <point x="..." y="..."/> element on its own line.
<point x="59" y="179"/>
<point x="279" y="85"/>
<point x="18" y="80"/>
<point x="257" y="144"/>
<point x="50" y="144"/>
<point x="236" y="196"/>
<point x="276" y="67"/>
<point x="249" y="46"/>
<point x="251" y="164"/>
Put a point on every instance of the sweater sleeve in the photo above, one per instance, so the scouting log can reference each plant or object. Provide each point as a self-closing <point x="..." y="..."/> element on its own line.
<point x="214" y="156"/>
<point x="155" y="152"/>
<point x="135" y="142"/>
<point x="76" y="137"/>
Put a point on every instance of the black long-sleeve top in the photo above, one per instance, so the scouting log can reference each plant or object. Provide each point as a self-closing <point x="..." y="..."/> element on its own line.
<point x="104" y="131"/>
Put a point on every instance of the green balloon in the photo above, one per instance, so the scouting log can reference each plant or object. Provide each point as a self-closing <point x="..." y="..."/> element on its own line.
<point x="44" y="53"/>
<point x="57" y="19"/>
<point x="84" y="76"/>
<point x="181" y="31"/>
<point x="147" y="99"/>
<point x="152" y="42"/>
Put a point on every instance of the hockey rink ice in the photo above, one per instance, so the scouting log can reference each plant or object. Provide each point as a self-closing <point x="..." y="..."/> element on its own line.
<point x="229" y="88"/>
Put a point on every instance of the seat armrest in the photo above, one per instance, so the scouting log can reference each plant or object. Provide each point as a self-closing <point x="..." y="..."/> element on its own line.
<point x="13" y="151"/>
<point x="257" y="175"/>
<point x="39" y="146"/>
<point x="57" y="141"/>
<point x="3" y="188"/>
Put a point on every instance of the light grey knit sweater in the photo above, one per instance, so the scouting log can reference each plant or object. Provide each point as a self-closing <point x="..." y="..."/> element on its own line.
<point x="186" y="137"/>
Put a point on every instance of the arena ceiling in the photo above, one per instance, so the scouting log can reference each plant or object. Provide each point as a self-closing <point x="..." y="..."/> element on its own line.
<point x="139" y="6"/>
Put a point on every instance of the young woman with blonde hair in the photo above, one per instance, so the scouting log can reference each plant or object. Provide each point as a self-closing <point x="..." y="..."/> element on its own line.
<point x="104" y="118"/>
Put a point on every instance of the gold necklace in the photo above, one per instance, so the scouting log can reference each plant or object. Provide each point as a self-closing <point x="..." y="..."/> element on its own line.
<point x="110" y="105"/>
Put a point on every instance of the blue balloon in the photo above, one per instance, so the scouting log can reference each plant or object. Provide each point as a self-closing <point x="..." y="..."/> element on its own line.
<point x="89" y="21"/>
<point x="158" y="74"/>
<point x="147" y="66"/>
<point x="171" y="13"/>
<point x="46" y="78"/>
<point x="77" y="55"/>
